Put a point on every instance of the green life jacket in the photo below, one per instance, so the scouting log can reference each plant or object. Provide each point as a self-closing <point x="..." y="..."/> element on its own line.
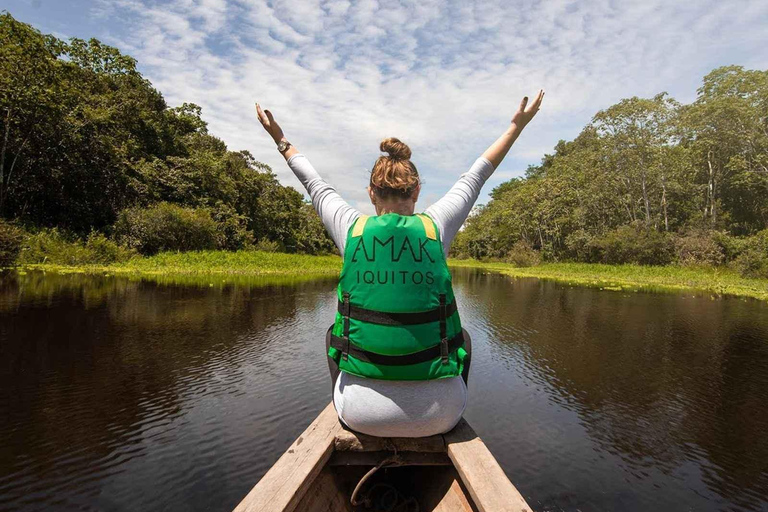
<point x="397" y="317"/>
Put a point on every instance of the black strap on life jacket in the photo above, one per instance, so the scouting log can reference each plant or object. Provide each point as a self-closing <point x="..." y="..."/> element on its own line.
<point x="439" y="314"/>
<point x="380" y="317"/>
<point x="443" y="317"/>
<point x="422" y="356"/>
<point x="344" y="309"/>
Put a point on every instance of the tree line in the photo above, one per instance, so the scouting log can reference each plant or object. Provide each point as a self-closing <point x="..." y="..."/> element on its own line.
<point x="649" y="181"/>
<point x="89" y="150"/>
<point x="96" y="167"/>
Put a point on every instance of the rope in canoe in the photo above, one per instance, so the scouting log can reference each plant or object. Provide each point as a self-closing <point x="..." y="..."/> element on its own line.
<point x="389" y="498"/>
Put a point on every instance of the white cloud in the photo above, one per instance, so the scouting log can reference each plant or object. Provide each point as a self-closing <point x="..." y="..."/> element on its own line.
<point x="443" y="76"/>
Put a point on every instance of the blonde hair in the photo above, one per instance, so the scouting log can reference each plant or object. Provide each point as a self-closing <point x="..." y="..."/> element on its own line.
<point x="394" y="175"/>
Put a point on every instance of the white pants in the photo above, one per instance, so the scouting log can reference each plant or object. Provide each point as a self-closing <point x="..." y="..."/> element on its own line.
<point x="387" y="408"/>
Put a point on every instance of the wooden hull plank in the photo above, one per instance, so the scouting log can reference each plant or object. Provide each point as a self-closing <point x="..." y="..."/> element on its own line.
<point x="324" y="495"/>
<point x="281" y="489"/>
<point x="454" y="500"/>
<point x="481" y="474"/>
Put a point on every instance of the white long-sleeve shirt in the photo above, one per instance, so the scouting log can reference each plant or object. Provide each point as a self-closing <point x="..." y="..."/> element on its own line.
<point x="396" y="408"/>
<point x="449" y="213"/>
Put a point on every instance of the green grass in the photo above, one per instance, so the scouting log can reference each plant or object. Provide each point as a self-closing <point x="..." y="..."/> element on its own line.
<point x="223" y="263"/>
<point x="717" y="281"/>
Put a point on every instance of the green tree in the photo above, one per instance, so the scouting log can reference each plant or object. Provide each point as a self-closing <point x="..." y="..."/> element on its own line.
<point x="636" y="133"/>
<point x="727" y="131"/>
<point x="643" y="169"/>
<point x="85" y="137"/>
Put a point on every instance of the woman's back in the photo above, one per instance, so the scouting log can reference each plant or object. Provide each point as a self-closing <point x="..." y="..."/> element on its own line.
<point x="397" y="408"/>
<point x="397" y="264"/>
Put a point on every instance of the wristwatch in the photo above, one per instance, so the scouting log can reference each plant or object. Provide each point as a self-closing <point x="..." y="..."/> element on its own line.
<point x="283" y="146"/>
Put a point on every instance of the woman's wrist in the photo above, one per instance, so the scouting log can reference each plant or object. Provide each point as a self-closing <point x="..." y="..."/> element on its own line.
<point x="516" y="127"/>
<point x="289" y="151"/>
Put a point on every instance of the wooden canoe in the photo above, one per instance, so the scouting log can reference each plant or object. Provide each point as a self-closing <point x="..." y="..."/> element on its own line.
<point x="319" y="471"/>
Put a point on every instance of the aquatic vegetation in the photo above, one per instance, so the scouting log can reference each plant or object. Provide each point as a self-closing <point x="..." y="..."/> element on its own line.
<point x="715" y="280"/>
<point x="212" y="263"/>
<point x="215" y="268"/>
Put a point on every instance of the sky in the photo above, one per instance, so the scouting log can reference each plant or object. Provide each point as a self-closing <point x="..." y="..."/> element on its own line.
<point x="444" y="77"/>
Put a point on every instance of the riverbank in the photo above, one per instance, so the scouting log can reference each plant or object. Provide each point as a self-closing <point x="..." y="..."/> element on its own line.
<point x="210" y="268"/>
<point x="223" y="266"/>
<point x="717" y="281"/>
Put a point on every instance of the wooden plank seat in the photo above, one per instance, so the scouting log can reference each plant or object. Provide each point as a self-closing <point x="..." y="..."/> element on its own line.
<point x="347" y="440"/>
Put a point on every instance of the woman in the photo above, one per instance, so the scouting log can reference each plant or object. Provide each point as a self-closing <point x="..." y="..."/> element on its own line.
<point x="399" y="358"/>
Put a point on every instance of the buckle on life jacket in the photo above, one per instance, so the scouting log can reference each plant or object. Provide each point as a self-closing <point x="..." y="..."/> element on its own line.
<point x="444" y="351"/>
<point x="345" y="304"/>
<point x="345" y="350"/>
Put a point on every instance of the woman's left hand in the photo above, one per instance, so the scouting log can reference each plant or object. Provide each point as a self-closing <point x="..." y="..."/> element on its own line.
<point x="498" y="150"/>
<point x="270" y="125"/>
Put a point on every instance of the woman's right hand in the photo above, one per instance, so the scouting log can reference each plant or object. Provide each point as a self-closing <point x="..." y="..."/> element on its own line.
<point x="270" y="125"/>
<point x="524" y="115"/>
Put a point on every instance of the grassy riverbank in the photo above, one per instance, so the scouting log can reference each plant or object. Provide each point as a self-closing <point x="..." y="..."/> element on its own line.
<point x="243" y="263"/>
<point x="718" y="281"/>
<point x="223" y="266"/>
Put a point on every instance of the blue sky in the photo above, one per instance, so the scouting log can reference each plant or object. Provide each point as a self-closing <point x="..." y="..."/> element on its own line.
<point x="445" y="77"/>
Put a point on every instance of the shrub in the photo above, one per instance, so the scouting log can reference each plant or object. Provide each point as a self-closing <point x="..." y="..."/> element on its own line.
<point x="311" y="237"/>
<point x="166" y="227"/>
<point x="480" y="246"/>
<point x="53" y="246"/>
<point x="753" y="261"/>
<point x="268" y="246"/>
<point x="523" y="255"/>
<point x="635" y="244"/>
<point x="759" y="241"/>
<point x="698" y="248"/>
<point x="460" y="246"/>
<point x="580" y="246"/>
<point x="11" y="239"/>
<point x="102" y="250"/>
<point x="731" y="246"/>
<point x="233" y="233"/>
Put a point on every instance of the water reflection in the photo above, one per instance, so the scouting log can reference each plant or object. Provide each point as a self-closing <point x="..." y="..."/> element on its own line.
<point x="674" y="386"/>
<point x="98" y="373"/>
<point x="120" y="394"/>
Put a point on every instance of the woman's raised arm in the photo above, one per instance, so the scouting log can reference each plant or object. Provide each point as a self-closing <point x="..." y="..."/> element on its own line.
<point x="450" y="212"/>
<point x="337" y="215"/>
<point x="273" y="129"/>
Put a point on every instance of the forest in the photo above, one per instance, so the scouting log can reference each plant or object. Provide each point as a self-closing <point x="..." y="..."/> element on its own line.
<point x="647" y="181"/>
<point x="95" y="167"/>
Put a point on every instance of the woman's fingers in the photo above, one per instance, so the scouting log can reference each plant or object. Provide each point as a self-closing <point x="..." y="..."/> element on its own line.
<point x="523" y="104"/>
<point x="261" y="116"/>
<point x="537" y="102"/>
<point x="271" y="119"/>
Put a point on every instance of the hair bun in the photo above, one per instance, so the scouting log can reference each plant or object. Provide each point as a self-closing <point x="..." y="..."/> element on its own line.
<point x="396" y="149"/>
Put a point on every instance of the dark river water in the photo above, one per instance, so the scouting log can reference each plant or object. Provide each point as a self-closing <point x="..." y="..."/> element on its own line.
<point x="129" y="395"/>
